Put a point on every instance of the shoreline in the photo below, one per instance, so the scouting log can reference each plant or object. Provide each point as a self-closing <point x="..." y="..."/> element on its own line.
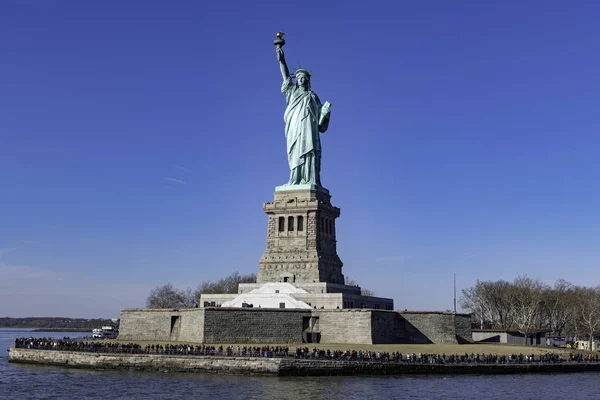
<point x="275" y="366"/>
<point x="38" y="329"/>
<point x="51" y="330"/>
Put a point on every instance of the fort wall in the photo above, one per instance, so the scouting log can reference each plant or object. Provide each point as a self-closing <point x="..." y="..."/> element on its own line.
<point x="387" y="327"/>
<point x="145" y="324"/>
<point x="253" y="325"/>
<point x="344" y="326"/>
<point x="220" y="325"/>
<point x="424" y="327"/>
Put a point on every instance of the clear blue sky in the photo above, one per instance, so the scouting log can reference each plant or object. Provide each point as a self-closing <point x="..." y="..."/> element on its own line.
<point x="140" y="139"/>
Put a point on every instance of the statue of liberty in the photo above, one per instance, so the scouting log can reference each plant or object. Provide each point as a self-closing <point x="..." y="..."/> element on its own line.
<point x="305" y="118"/>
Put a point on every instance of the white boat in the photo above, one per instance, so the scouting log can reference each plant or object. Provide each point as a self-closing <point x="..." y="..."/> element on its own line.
<point x="109" y="332"/>
<point x="106" y="332"/>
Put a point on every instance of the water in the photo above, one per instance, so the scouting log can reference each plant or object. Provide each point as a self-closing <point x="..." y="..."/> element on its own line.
<point x="20" y="381"/>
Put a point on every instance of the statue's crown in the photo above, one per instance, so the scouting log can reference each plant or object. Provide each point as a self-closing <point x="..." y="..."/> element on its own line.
<point x="302" y="71"/>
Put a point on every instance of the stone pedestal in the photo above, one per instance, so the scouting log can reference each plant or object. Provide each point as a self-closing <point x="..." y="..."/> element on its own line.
<point x="301" y="242"/>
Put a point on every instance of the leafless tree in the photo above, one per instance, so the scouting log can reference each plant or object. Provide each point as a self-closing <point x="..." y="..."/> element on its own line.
<point x="473" y="300"/>
<point x="351" y="282"/>
<point x="167" y="296"/>
<point x="527" y="305"/>
<point x="558" y="307"/>
<point x="489" y="302"/>
<point x="526" y="297"/>
<point x="228" y="284"/>
<point x="587" y="304"/>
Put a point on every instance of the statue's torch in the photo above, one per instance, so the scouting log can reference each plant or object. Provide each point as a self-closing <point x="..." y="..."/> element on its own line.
<point x="279" y="41"/>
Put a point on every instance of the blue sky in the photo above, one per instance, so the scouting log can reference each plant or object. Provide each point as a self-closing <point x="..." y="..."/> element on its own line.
<point x="140" y="139"/>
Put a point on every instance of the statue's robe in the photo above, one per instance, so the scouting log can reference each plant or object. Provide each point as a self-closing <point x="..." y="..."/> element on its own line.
<point x="302" y="117"/>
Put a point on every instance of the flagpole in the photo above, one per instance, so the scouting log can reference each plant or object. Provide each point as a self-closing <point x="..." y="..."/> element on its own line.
<point x="454" y="293"/>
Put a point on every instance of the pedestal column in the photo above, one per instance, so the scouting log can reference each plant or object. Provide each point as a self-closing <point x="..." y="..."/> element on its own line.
<point x="301" y="241"/>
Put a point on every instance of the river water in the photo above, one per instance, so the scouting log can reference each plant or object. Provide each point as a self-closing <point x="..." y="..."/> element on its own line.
<point x="19" y="381"/>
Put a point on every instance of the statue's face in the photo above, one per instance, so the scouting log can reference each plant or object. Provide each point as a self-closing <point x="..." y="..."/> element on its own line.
<point x="302" y="80"/>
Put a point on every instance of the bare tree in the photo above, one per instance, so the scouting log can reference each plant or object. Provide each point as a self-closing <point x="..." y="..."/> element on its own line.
<point x="528" y="304"/>
<point x="498" y="295"/>
<point x="473" y="300"/>
<point x="557" y="306"/>
<point x="228" y="284"/>
<point x="526" y="297"/>
<point x="489" y="302"/>
<point x="167" y="296"/>
<point x="351" y="282"/>
<point x="588" y="311"/>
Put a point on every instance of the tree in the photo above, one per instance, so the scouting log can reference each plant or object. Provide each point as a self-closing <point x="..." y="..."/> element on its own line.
<point x="351" y="282"/>
<point x="558" y="306"/>
<point x="526" y="296"/>
<point x="528" y="304"/>
<point x="472" y="299"/>
<point x="587" y="305"/>
<point x="488" y="301"/>
<point x="229" y="284"/>
<point x="167" y="296"/>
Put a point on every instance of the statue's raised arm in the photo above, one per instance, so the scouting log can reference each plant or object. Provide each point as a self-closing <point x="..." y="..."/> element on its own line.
<point x="279" y="42"/>
<point x="285" y="73"/>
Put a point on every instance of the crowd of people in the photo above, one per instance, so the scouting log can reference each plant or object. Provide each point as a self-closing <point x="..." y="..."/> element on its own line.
<point x="96" y="346"/>
<point x="81" y="345"/>
<point x="425" y="358"/>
